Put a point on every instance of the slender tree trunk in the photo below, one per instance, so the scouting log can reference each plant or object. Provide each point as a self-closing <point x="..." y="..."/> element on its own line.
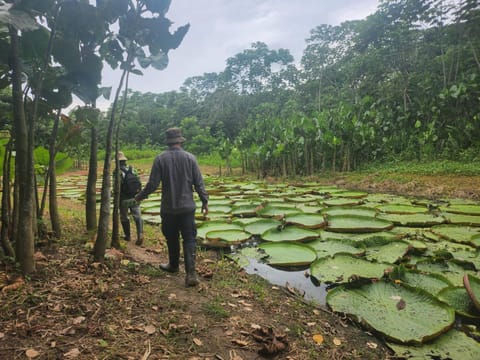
<point x="91" y="191"/>
<point x="52" y="204"/>
<point x="6" y="205"/>
<point x="116" y="192"/>
<point x="24" y="241"/>
<point x="103" y="222"/>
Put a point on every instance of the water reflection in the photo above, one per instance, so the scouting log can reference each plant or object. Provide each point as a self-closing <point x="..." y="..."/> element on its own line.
<point x="295" y="279"/>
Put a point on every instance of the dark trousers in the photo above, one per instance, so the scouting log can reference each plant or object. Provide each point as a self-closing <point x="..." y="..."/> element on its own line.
<point x="174" y="225"/>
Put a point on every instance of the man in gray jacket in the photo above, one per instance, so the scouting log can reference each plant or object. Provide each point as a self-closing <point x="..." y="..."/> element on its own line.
<point x="179" y="173"/>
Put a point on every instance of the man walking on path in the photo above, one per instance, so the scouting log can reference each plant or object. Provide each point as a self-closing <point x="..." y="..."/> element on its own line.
<point x="129" y="186"/>
<point x="179" y="173"/>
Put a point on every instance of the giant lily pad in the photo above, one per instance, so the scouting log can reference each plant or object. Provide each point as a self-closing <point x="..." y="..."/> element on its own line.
<point x="460" y="219"/>
<point x="215" y="225"/>
<point x="354" y="210"/>
<point x="402" y="209"/>
<point x="332" y="247"/>
<point x="465" y="209"/>
<point x="310" y="221"/>
<point x="432" y="283"/>
<point x="357" y="224"/>
<point x="472" y="285"/>
<point x="449" y="269"/>
<point x="247" y="210"/>
<point x="342" y="202"/>
<point x="458" y="233"/>
<point x="223" y="238"/>
<point x="454" y="345"/>
<point x="390" y="252"/>
<point x="274" y="210"/>
<point x="288" y="254"/>
<point x="413" y="220"/>
<point x="343" y="267"/>
<point x="400" y="313"/>
<point x="259" y="226"/>
<point x="457" y="297"/>
<point x="289" y="233"/>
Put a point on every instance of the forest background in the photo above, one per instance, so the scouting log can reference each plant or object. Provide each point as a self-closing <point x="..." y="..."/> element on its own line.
<point x="401" y="85"/>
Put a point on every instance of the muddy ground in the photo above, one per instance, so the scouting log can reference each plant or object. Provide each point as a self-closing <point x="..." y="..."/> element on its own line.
<point x="72" y="308"/>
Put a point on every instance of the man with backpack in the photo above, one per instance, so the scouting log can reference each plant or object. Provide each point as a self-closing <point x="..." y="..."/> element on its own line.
<point x="178" y="172"/>
<point x="130" y="185"/>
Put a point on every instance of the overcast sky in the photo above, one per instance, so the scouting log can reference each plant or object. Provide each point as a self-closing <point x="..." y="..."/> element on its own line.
<point x="220" y="29"/>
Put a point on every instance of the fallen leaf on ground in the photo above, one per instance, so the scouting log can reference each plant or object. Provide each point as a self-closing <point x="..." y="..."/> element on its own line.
<point x="32" y="354"/>
<point x="337" y="341"/>
<point x="197" y="342"/>
<point x="72" y="354"/>
<point x="318" y="338"/>
<point x="372" y="345"/>
<point x="150" y="329"/>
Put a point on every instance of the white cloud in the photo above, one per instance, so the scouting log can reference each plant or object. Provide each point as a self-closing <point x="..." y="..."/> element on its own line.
<point x="219" y="29"/>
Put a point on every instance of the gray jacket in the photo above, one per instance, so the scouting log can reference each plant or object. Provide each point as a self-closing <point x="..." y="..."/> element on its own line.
<point x="179" y="173"/>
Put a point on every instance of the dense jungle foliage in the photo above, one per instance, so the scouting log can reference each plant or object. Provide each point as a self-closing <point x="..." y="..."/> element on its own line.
<point x="404" y="83"/>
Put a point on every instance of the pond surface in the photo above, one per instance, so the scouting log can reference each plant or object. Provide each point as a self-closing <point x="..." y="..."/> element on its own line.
<point x="294" y="279"/>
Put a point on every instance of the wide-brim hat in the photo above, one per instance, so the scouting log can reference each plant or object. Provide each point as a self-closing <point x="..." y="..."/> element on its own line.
<point x="121" y="156"/>
<point x="174" y="136"/>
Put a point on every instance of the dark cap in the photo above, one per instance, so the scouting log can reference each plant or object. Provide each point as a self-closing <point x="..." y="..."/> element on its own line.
<point x="174" y="136"/>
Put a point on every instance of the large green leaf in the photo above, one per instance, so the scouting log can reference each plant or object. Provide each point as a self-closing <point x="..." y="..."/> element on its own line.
<point x="461" y="219"/>
<point x="259" y="226"/>
<point x="344" y="267"/>
<point x="458" y="298"/>
<point x="275" y="210"/>
<point x="346" y="210"/>
<point x="398" y="312"/>
<point x="389" y="253"/>
<point x="413" y="220"/>
<point x="465" y="209"/>
<point x="432" y="283"/>
<point x="288" y="253"/>
<point x="402" y="209"/>
<point x="472" y="285"/>
<point x="449" y="269"/>
<point x="310" y="221"/>
<point x="216" y="225"/>
<point x="357" y="224"/>
<point x="458" y="233"/>
<point x="289" y="233"/>
<point x="332" y="247"/>
<point x="222" y="238"/>
<point x="454" y="345"/>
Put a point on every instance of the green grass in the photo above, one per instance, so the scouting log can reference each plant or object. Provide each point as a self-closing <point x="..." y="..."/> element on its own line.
<point x="215" y="309"/>
<point x="435" y="167"/>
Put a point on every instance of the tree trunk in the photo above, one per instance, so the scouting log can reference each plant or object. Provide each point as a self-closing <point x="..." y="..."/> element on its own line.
<point x="116" y="186"/>
<point x="6" y="205"/>
<point x="52" y="204"/>
<point x="24" y="248"/>
<point x="103" y="221"/>
<point x="91" y="191"/>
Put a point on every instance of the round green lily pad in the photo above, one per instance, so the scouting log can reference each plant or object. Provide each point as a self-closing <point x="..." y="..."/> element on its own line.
<point x="402" y="209"/>
<point x="357" y="224"/>
<point x="344" y="267"/>
<point x="288" y="254"/>
<point x="310" y="221"/>
<point x="472" y="285"/>
<point x="398" y="312"/>
<point x="259" y="226"/>
<point x="227" y="237"/>
<point x="289" y="233"/>
<point x="458" y="298"/>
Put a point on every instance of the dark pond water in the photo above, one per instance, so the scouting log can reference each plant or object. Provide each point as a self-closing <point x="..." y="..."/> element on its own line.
<point x="293" y="279"/>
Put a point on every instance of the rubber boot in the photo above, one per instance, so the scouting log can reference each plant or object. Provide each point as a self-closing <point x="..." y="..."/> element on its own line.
<point x="126" y="230"/>
<point x="173" y="257"/>
<point x="189" y="252"/>
<point x="139" y="225"/>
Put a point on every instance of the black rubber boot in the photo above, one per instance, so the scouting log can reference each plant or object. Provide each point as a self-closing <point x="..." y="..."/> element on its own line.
<point x="139" y="225"/>
<point x="126" y="230"/>
<point x="189" y="252"/>
<point x="173" y="257"/>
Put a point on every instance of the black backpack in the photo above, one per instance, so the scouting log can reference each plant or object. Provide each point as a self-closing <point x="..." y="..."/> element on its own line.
<point x="131" y="183"/>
